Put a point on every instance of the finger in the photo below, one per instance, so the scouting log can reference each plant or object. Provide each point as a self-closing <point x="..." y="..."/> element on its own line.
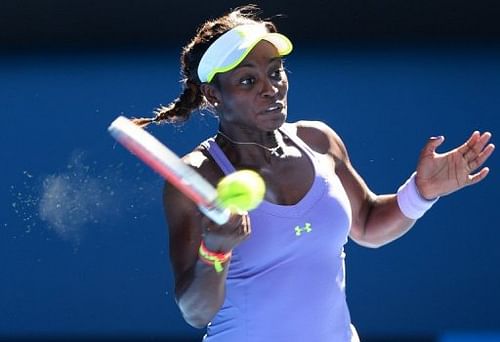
<point x="483" y="140"/>
<point x="465" y="147"/>
<point x="477" y="177"/>
<point x="238" y="224"/>
<point x="478" y="146"/>
<point x="235" y="222"/>
<point x="482" y="157"/>
<point x="246" y="225"/>
<point x="432" y="144"/>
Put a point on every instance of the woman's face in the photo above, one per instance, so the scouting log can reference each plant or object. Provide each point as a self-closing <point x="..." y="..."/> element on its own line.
<point x="254" y="94"/>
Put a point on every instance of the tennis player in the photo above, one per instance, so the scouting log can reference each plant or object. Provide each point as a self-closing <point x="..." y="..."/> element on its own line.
<point x="278" y="273"/>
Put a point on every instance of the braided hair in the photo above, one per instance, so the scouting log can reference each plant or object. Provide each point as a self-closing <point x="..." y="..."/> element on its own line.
<point x="192" y="98"/>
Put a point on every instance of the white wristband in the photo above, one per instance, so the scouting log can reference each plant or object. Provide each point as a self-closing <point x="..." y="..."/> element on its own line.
<point x="411" y="203"/>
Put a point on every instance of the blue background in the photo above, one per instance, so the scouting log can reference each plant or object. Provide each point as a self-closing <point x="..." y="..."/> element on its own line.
<point x="95" y="262"/>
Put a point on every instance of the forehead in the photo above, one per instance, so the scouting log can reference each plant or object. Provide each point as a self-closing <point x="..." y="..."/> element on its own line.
<point x="260" y="57"/>
<point x="262" y="52"/>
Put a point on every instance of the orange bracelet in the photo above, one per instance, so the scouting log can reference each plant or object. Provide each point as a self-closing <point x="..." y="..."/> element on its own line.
<point x="212" y="258"/>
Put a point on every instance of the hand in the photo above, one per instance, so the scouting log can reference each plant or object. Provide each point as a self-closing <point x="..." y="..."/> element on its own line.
<point x="227" y="236"/>
<point x="442" y="174"/>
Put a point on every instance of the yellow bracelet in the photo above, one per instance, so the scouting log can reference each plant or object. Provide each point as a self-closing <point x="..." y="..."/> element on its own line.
<point x="212" y="258"/>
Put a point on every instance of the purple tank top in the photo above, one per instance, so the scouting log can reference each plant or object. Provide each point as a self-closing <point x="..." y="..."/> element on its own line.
<point x="286" y="282"/>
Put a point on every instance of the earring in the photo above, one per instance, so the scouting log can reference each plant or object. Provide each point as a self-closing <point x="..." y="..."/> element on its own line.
<point x="216" y="104"/>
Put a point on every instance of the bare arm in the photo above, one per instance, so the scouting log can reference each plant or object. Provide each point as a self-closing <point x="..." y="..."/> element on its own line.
<point x="199" y="289"/>
<point x="377" y="219"/>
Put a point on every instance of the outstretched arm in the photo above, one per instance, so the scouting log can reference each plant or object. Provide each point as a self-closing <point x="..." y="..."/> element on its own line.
<point x="379" y="219"/>
<point x="436" y="175"/>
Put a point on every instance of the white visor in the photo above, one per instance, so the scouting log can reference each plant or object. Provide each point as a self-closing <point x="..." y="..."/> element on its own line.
<point x="232" y="47"/>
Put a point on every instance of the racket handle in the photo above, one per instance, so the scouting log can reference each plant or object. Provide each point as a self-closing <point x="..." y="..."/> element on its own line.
<point x="216" y="214"/>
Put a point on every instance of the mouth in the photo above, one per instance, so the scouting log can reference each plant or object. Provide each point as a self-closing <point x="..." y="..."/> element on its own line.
<point x="275" y="107"/>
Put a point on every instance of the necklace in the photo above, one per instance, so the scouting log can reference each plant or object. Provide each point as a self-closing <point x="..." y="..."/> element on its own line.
<point x="273" y="150"/>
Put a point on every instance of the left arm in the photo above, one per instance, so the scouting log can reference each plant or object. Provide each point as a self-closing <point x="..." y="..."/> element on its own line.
<point x="378" y="219"/>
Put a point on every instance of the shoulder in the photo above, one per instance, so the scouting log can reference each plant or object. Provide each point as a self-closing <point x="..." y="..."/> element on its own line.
<point x="178" y="207"/>
<point x="201" y="161"/>
<point x="320" y="137"/>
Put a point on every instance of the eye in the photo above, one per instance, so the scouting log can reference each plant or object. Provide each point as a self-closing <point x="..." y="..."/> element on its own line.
<point x="277" y="74"/>
<point x="247" y="81"/>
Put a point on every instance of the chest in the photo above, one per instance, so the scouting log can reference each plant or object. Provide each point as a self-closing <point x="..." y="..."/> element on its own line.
<point x="289" y="179"/>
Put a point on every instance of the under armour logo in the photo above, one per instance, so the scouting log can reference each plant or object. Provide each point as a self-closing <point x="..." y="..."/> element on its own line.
<point x="299" y="230"/>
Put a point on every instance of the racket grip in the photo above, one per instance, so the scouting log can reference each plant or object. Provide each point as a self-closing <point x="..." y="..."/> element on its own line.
<point x="217" y="214"/>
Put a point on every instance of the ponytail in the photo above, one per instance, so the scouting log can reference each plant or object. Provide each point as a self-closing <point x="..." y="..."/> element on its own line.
<point x="179" y="110"/>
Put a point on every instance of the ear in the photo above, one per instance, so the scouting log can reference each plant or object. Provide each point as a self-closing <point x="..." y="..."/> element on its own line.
<point x="211" y="93"/>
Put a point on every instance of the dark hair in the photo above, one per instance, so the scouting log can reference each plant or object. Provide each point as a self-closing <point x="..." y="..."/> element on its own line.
<point x="191" y="97"/>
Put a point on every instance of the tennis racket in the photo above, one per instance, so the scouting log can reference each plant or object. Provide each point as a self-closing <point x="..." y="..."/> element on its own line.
<point x="165" y="162"/>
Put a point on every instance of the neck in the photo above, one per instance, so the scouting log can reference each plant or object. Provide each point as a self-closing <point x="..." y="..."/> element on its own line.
<point x="271" y="143"/>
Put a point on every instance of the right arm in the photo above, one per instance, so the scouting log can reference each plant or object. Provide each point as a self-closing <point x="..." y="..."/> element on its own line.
<point x="199" y="289"/>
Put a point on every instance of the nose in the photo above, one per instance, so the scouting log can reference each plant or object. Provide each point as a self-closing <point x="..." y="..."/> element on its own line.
<point x="269" y="88"/>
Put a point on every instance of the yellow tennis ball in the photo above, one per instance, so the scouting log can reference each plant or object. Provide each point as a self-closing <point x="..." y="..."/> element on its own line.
<point x="241" y="191"/>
